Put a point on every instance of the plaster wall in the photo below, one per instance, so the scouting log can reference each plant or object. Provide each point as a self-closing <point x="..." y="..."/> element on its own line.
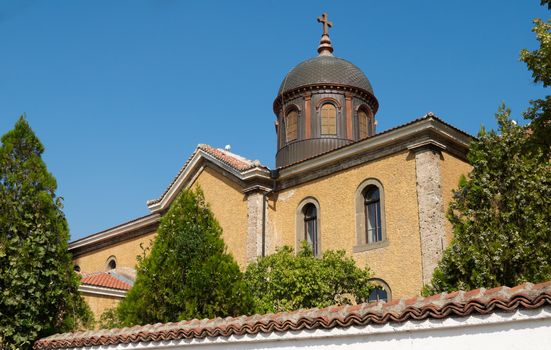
<point x="451" y="169"/>
<point x="99" y="303"/>
<point x="125" y="252"/>
<point x="229" y="206"/>
<point x="523" y="329"/>
<point x="399" y="261"/>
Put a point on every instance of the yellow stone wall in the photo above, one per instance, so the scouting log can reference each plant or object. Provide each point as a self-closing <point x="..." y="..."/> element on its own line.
<point x="399" y="263"/>
<point x="229" y="206"/>
<point x="451" y="169"/>
<point x="99" y="303"/>
<point x="125" y="252"/>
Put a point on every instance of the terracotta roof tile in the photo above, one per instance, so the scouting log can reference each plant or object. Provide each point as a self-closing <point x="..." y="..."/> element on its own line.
<point x="233" y="160"/>
<point x="104" y="279"/>
<point x="479" y="301"/>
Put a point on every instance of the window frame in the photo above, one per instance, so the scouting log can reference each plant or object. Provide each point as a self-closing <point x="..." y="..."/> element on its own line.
<point x="336" y="109"/>
<point x="362" y="240"/>
<point x="363" y="108"/>
<point x="111" y="259"/>
<point x="285" y="121"/>
<point x="382" y="284"/>
<point x="301" y="230"/>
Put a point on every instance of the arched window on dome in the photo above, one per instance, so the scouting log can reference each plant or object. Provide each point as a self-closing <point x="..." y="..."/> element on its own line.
<point x="328" y="119"/>
<point x="364" y="123"/>
<point x="291" y="125"/>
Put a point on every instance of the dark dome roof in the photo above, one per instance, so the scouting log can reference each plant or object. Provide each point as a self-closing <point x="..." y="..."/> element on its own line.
<point x="325" y="69"/>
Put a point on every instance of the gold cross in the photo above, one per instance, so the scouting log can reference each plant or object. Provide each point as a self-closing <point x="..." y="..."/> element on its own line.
<point x="326" y="23"/>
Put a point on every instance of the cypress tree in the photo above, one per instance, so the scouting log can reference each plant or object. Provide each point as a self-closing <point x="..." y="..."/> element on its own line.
<point x="187" y="273"/>
<point x="38" y="287"/>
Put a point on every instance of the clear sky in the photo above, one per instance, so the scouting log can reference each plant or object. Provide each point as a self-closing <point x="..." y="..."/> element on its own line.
<point x="121" y="92"/>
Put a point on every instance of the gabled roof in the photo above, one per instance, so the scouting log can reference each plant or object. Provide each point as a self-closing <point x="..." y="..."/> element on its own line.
<point x="456" y="304"/>
<point x="109" y="279"/>
<point x="240" y="167"/>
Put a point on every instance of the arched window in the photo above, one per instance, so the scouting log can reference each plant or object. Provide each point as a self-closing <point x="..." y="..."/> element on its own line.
<point x="291" y="121"/>
<point x="373" y="220"/>
<point x="328" y="119"/>
<point x="363" y="124"/>
<point x="370" y="216"/>
<point x="111" y="263"/>
<point x="310" y="213"/>
<point x="308" y="224"/>
<point x="381" y="291"/>
<point x="76" y="268"/>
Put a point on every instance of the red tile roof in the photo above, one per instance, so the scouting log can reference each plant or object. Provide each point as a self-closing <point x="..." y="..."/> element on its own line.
<point x="104" y="279"/>
<point x="479" y="301"/>
<point x="233" y="160"/>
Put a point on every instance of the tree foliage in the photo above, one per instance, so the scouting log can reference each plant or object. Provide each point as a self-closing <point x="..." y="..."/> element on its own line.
<point x="187" y="274"/>
<point x="285" y="281"/>
<point x="38" y="287"/>
<point x="539" y="62"/>
<point x="501" y="214"/>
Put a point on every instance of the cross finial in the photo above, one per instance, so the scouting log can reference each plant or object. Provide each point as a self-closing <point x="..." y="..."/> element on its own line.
<point x="325" y="48"/>
<point x="326" y="24"/>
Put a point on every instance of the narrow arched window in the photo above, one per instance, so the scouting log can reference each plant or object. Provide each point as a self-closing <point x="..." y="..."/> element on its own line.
<point x="328" y="119"/>
<point x="369" y="127"/>
<point x="363" y="125"/>
<point x="291" y="121"/>
<point x="373" y="222"/>
<point x="311" y="226"/>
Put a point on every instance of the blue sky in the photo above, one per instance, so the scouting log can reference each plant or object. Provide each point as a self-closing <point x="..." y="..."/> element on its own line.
<point x="121" y="92"/>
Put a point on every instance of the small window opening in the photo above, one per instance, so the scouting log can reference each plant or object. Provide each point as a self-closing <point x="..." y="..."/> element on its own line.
<point x="311" y="226"/>
<point x="374" y="232"/>
<point x="328" y="119"/>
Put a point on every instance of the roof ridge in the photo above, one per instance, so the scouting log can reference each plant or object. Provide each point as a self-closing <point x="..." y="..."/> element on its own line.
<point x="460" y="303"/>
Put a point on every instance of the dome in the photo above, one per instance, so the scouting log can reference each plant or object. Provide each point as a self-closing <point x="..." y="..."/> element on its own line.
<point x="325" y="69"/>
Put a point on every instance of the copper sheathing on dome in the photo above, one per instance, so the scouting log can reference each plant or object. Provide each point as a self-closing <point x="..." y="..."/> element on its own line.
<point x="325" y="48"/>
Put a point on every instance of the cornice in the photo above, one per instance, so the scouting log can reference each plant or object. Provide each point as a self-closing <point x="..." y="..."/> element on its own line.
<point x="95" y="290"/>
<point x="256" y="174"/>
<point x="308" y="89"/>
<point x="117" y="233"/>
<point x="423" y="132"/>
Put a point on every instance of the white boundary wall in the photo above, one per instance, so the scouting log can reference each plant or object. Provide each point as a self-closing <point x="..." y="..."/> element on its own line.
<point x="523" y="329"/>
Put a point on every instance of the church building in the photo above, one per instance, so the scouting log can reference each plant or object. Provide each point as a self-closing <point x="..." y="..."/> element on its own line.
<point x="338" y="184"/>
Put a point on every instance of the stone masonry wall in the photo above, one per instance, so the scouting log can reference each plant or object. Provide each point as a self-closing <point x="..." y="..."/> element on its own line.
<point x="431" y="209"/>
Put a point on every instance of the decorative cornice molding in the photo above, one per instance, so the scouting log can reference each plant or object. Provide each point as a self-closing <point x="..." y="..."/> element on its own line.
<point x="131" y="227"/>
<point x="426" y="131"/>
<point x="95" y="290"/>
<point x="339" y="88"/>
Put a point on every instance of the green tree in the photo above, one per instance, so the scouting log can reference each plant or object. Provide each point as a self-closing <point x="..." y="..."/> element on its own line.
<point x="38" y="287"/>
<point x="285" y="281"/>
<point x="501" y="214"/>
<point x="187" y="274"/>
<point x="539" y="62"/>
